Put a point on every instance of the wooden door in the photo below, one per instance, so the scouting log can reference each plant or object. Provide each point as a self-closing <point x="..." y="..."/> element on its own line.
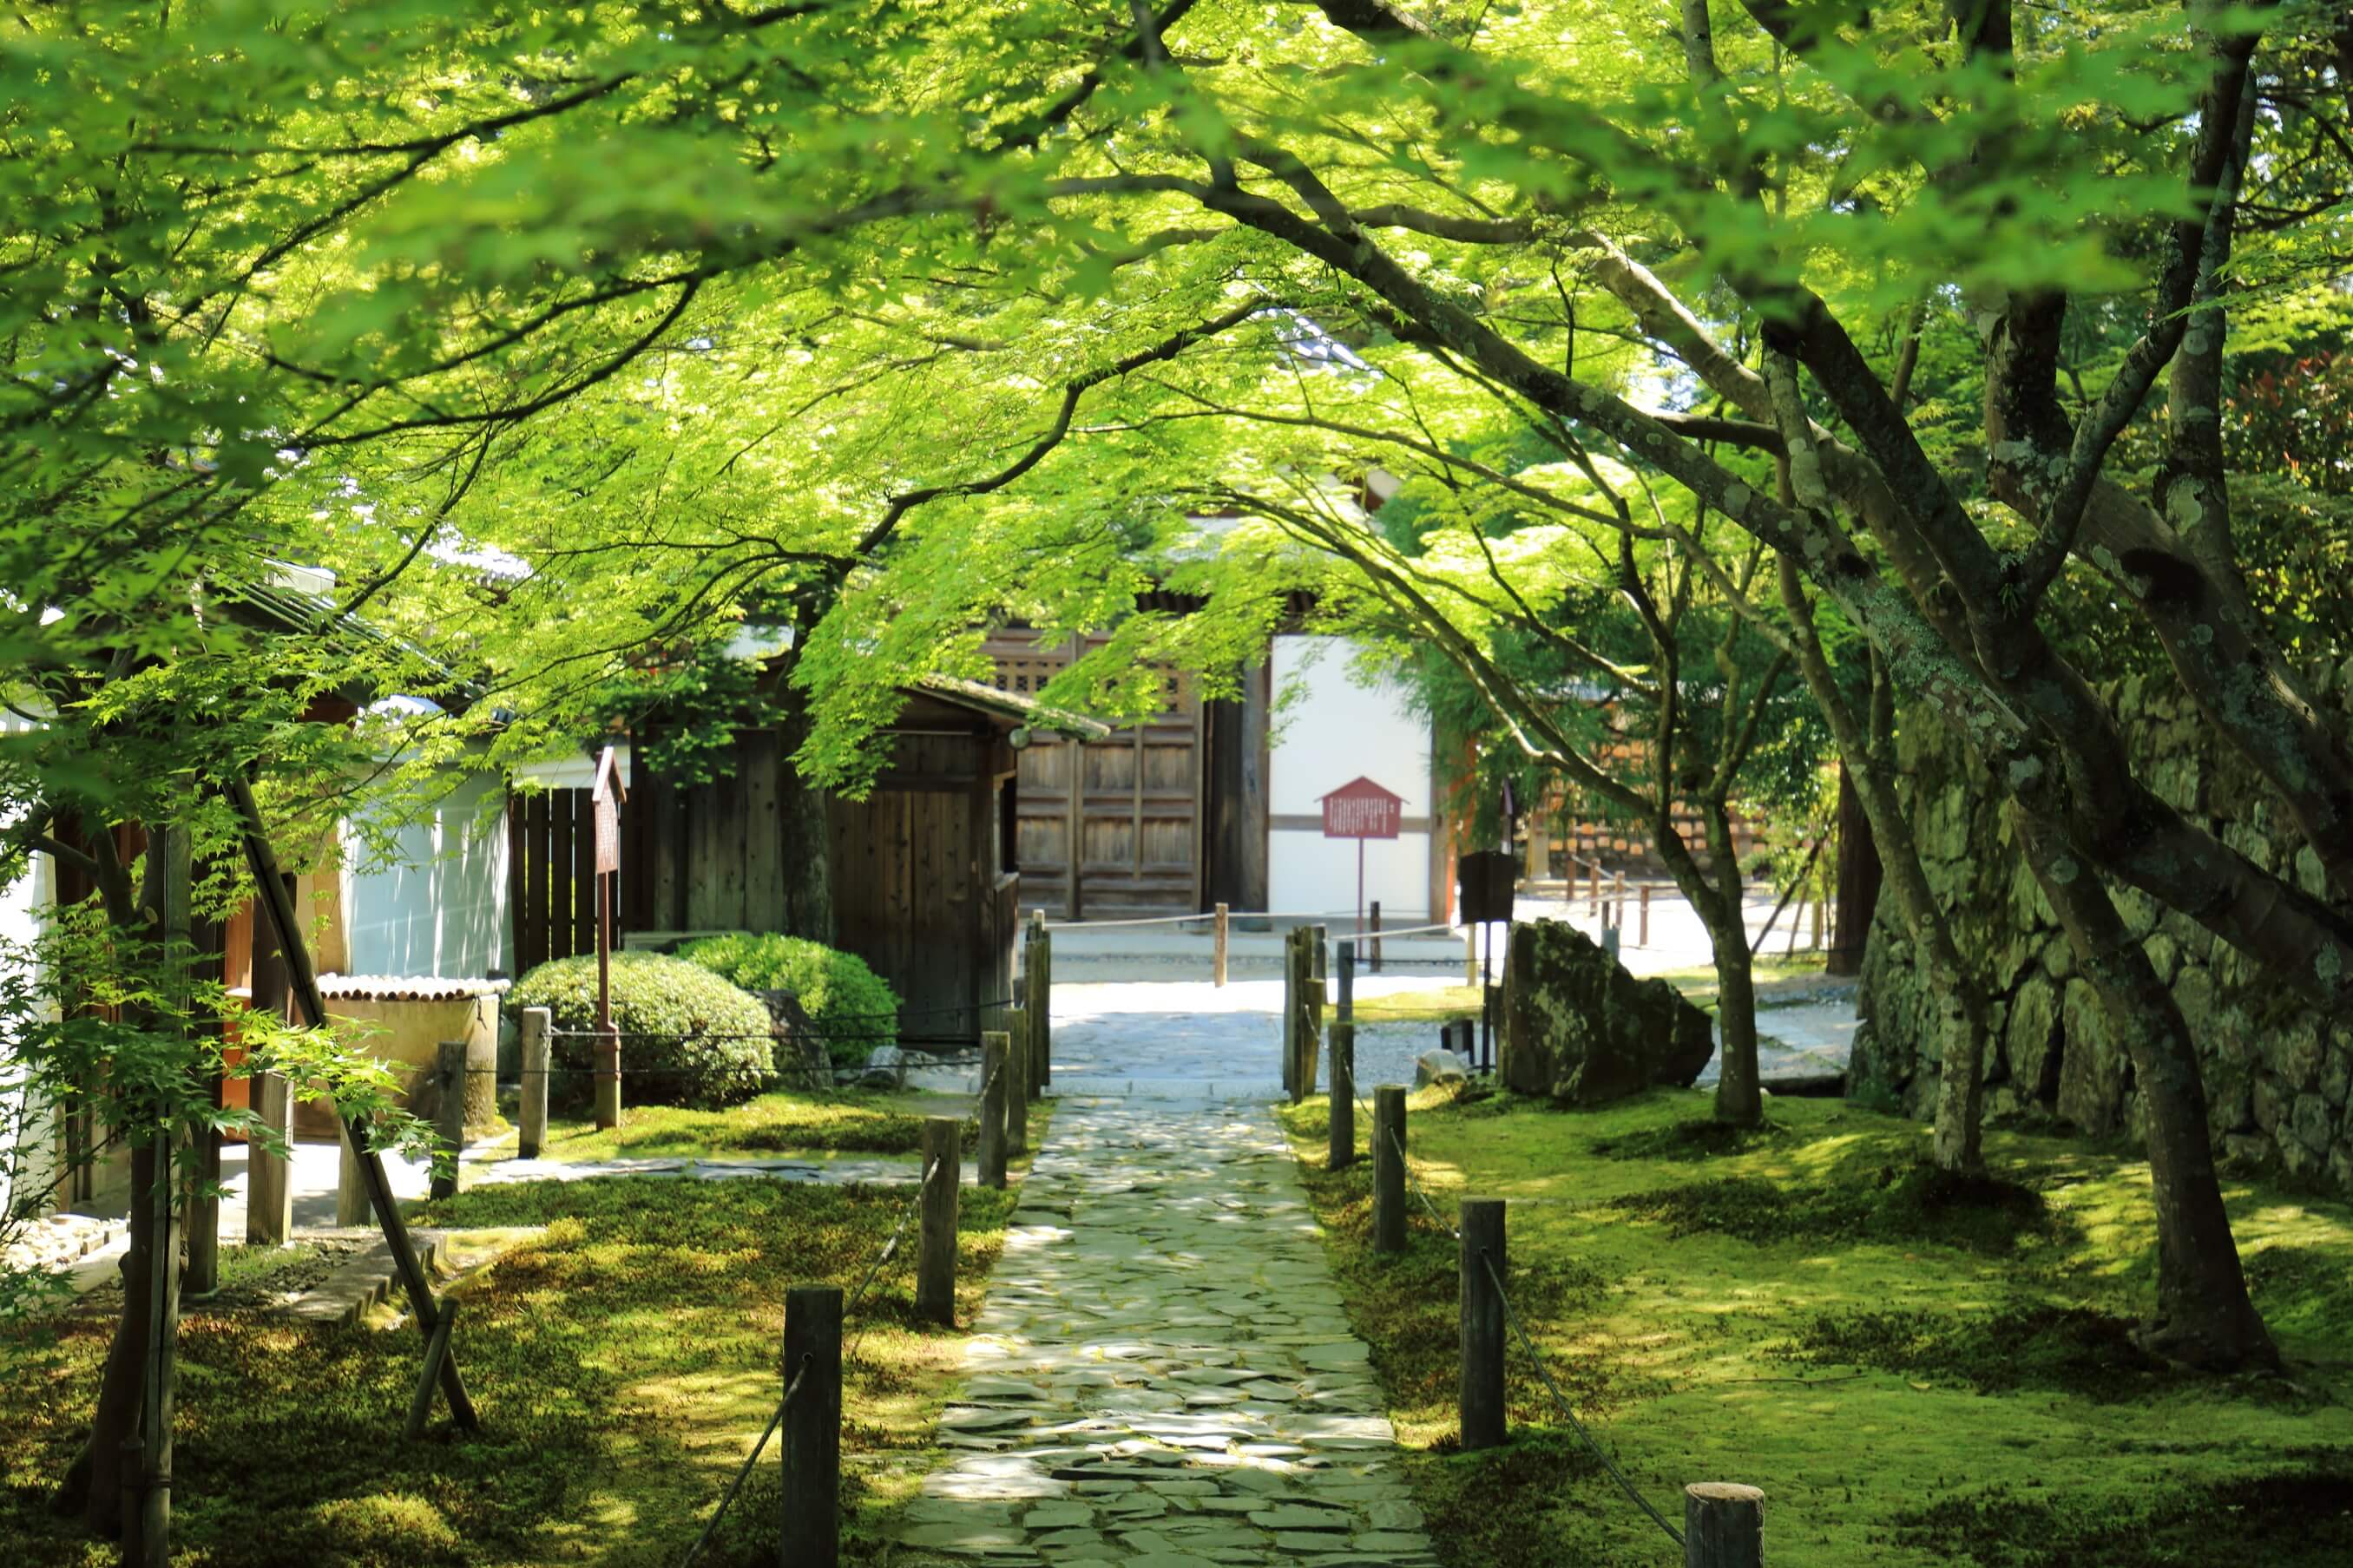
<point x="1111" y="828"/>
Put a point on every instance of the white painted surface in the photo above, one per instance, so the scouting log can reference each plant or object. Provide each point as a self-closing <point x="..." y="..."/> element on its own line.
<point x="27" y="1156"/>
<point x="442" y="910"/>
<point x="1330" y="728"/>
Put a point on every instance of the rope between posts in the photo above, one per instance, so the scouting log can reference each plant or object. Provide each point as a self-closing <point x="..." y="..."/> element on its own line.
<point x="889" y="1249"/>
<point x="1512" y="1318"/>
<point x="775" y="1419"/>
<point x="1407" y="1166"/>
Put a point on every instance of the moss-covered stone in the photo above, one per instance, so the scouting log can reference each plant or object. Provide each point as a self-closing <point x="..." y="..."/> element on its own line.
<point x="2263" y="1052"/>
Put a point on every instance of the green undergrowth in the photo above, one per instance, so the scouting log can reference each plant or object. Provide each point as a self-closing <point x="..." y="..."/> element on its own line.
<point x="783" y="1122"/>
<point x="1916" y="1372"/>
<point x="623" y="1362"/>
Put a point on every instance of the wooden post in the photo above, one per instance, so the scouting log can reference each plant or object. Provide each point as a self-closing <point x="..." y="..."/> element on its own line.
<point x="449" y="1114"/>
<point x="1217" y="938"/>
<point x="1481" y="1388"/>
<point x="1618" y="900"/>
<point x="1723" y="1525"/>
<point x="812" y="1522"/>
<point x="532" y="1136"/>
<point x="1290" y="1006"/>
<point x="1346" y="1000"/>
<point x="935" y="1257"/>
<point x="1388" y="1168"/>
<point x="1469" y="955"/>
<point x="1310" y="1038"/>
<point x="1643" y="932"/>
<point x="270" y="1178"/>
<point x="202" y="1222"/>
<point x="436" y="1350"/>
<point x="1593" y="884"/>
<point x="1344" y="1096"/>
<point x="608" y="1079"/>
<point x="1538" y="865"/>
<point x="994" y="1046"/>
<point x="1038" y="1002"/>
<point x="1816" y="944"/>
<point x="351" y="1205"/>
<point x="1017" y="1081"/>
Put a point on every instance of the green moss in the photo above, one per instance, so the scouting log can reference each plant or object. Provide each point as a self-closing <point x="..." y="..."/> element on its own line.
<point x="622" y="1364"/>
<point x="2300" y="1517"/>
<point x="780" y="1122"/>
<point x="1999" y="1373"/>
<point x="1916" y="1203"/>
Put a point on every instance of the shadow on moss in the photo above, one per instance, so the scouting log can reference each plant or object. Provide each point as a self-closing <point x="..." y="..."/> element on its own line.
<point x="1907" y="1205"/>
<point x="1698" y="1140"/>
<point x="2289" y="1519"/>
<point x="2022" y="1345"/>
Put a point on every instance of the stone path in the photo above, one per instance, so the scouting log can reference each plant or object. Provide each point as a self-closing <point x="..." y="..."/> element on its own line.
<point x="1163" y="1376"/>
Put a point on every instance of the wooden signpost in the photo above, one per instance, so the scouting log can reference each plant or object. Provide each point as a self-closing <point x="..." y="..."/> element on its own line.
<point x="1361" y="809"/>
<point x="606" y="800"/>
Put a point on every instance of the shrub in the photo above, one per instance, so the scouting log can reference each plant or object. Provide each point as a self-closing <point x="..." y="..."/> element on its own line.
<point x="854" y="1008"/>
<point x="706" y="1042"/>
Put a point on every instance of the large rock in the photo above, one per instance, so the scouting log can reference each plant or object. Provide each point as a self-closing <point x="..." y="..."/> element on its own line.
<point x="1439" y="1067"/>
<point x="1579" y="1029"/>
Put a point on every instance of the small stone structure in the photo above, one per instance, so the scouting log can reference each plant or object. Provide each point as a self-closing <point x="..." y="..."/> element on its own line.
<point x="1579" y="1029"/>
<point x="2276" y="1071"/>
<point x="407" y="1017"/>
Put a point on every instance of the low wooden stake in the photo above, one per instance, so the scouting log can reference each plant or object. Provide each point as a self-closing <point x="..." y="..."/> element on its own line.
<point x="351" y="1205"/>
<point x="428" y="1378"/>
<point x="537" y="1023"/>
<point x="1038" y="1002"/>
<point x="1388" y="1168"/>
<point x="1343" y="1148"/>
<point x="1480" y="1387"/>
<point x="1723" y="1525"/>
<point x="1017" y="1081"/>
<point x="942" y="1156"/>
<point x="1643" y="932"/>
<point x="994" y="1046"/>
<point x="1217" y="938"/>
<point x="811" y="1534"/>
<point x="270" y="1178"/>
<point x="608" y="1079"/>
<point x="449" y="1115"/>
<point x="1374" y="920"/>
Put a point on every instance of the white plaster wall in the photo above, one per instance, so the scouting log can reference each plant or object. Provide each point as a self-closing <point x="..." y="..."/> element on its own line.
<point x="27" y="1155"/>
<point x="443" y="908"/>
<point x="1329" y="729"/>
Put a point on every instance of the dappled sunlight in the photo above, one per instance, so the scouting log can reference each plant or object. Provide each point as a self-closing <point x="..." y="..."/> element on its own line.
<point x="1860" y="1355"/>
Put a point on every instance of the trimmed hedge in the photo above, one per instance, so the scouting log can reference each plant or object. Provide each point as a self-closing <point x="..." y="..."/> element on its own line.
<point x="853" y="1007"/>
<point x="690" y="1013"/>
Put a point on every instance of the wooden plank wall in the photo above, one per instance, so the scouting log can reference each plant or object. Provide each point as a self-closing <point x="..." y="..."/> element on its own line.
<point x="551" y="888"/>
<point x="913" y="868"/>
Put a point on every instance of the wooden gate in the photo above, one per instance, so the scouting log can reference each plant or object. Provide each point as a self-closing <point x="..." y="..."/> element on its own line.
<point x="1130" y="805"/>
<point x="551" y="876"/>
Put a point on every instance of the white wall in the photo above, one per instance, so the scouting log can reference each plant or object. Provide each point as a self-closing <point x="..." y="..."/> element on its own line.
<point x="444" y="911"/>
<point x="1328" y="730"/>
<point x="26" y="1134"/>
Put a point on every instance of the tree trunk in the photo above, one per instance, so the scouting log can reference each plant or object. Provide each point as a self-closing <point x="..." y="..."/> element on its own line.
<point x="2203" y="1315"/>
<point x="92" y="1484"/>
<point x="1866" y="772"/>
<point x="1739" y="1097"/>
<point x="802" y="822"/>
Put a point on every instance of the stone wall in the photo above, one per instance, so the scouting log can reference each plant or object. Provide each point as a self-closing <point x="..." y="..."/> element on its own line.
<point x="2277" y="1070"/>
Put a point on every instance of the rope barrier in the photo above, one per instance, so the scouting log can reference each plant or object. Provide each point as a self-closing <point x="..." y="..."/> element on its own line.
<point x="744" y="1469"/>
<point x="890" y="1250"/>
<point x="1544" y="1372"/>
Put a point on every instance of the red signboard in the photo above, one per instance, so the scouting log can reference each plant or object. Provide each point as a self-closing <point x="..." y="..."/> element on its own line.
<point x="1362" y="810"/>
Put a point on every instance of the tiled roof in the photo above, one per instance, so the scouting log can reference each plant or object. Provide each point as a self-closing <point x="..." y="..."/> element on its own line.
<point x="407" y="987"/>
